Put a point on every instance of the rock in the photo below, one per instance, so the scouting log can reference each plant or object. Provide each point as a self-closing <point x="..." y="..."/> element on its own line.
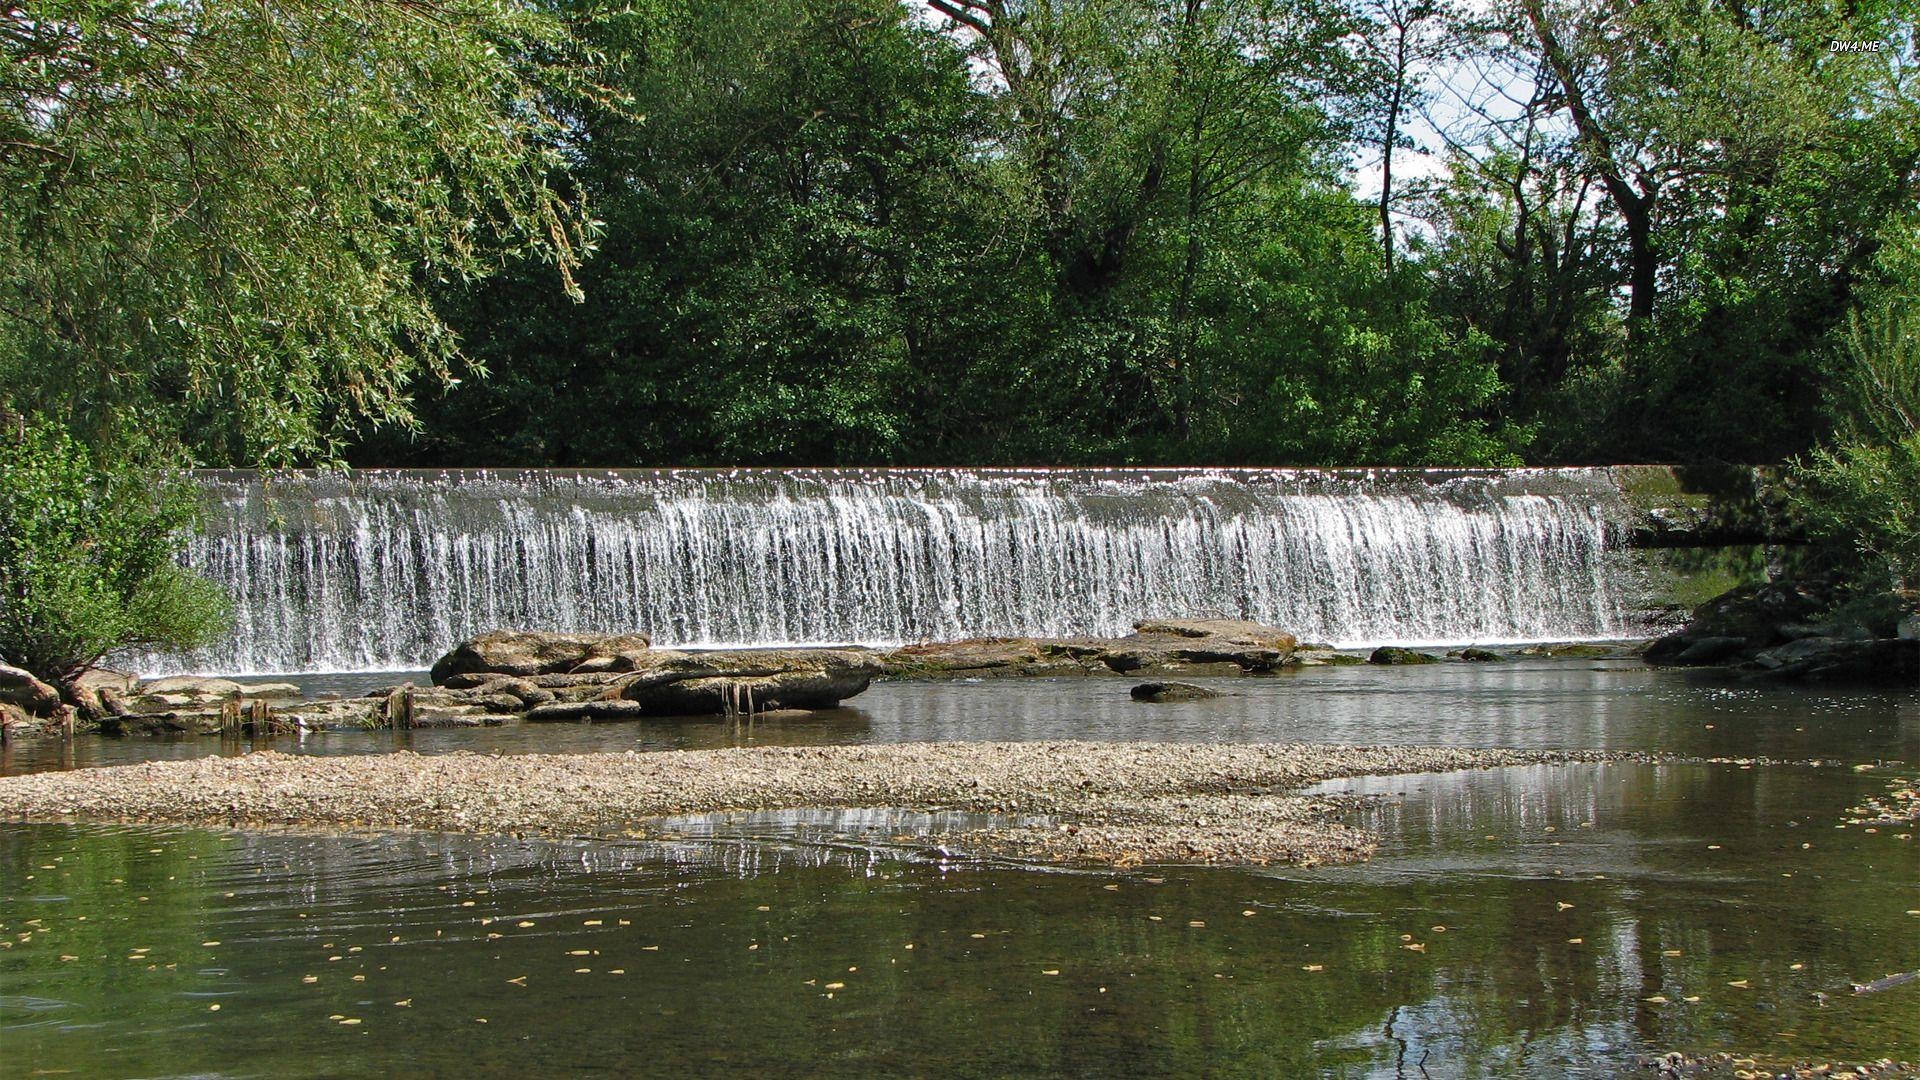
<point x="1877" y="661"/>
<point x="1185" y="644"/>
<point x="1709" y="650"/>
<point x="1909" y="629"/>
<point x="989" y="657"/>
<point x="271" y="691"/>
<point x="533" y="652"/>
<point x="1325" y="657"/>
<point x="564" y="711"/>
<point x="1567" y="649"/>
<point x="1476" y="655"/>
<point x="193" y="688"/>
<point x="1754" y="614"/>
<point x="100" y="692"/>
<point x="746" y="680"/>
<point x="1172" y="691"/>
<point x="353" y="714"/>
<point x="1393" y="655"/>
<point x="526" y="693"/>
<point x="19" y="688"/>
<point x="1209" y="646"/>
<point x="195" y="693"/>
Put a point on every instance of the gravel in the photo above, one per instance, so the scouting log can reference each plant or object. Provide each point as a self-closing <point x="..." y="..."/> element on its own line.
<point x="1106" y="803"/>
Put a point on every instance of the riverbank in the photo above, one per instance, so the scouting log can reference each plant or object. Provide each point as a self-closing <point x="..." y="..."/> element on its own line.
<point x="1095" y="803"/>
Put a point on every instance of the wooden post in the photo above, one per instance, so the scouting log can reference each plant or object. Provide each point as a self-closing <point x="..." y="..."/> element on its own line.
<point x="400" y="706"/>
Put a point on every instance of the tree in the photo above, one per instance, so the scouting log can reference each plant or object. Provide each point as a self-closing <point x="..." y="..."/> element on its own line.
<point x="1864" y="491"/>
<point x="1690" y="194"/>
<point x="86" y="557"/>
<point x="223" y="221"/>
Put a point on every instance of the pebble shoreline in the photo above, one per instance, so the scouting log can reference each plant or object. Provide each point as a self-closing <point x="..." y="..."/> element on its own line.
<point x="1107" y="803"/>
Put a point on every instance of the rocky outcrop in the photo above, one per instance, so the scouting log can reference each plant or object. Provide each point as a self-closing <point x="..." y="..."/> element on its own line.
<point x="1792" y="631"/>
<point x="991" y="657"/>
<point x="1194" y="646"/>
<point x="533" y="652"/>
<point x="1888" y="661"/>
<point x="1742" y="622"/>
<point x="557" y="677"/>
<point x="746" y="681"/>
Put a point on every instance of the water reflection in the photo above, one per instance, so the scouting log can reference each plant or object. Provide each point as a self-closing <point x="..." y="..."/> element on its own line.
<point x="1570" y="943"/>
<point x="1554" y="703"/>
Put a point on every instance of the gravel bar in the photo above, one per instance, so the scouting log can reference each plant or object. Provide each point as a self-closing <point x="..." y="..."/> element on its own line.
<point x="1101" y="803"/>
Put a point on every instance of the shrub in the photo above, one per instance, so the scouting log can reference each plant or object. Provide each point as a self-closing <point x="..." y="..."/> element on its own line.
<point x="87" y="551"/>
<point x="1865" y="491"/>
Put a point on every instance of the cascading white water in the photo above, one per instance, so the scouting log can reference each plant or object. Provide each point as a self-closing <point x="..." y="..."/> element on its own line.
<point x="386" y="570"/>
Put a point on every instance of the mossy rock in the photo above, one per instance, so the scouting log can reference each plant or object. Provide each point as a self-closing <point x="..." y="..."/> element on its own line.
<point x="1390" y="655"/>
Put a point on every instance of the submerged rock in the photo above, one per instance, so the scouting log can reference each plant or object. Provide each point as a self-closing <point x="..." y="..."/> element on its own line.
<point x="1210" y="646"/>
<point x="535" y="652"/>
<point x="1172" y="691"/>
<point x="1394" y="655"/>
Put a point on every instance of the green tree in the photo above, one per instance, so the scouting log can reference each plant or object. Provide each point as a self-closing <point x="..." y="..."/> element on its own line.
<point x="222" y="221"/>
<point x="86" y="557"/>
<point x="1864" y="491"/>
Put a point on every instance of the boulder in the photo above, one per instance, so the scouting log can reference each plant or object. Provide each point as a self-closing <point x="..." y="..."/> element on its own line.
<point x="1208" y="646"/>
<point x="744" y="681"/>
<point x="534" y="652"/>
<point x="1172" y="691"/>
<point x="1753" y="614"/>
<point x="1184" y="644"/>
<point x="1477" y="655"/>
<point x="1710" y="650"/>
<point x="19" y="688"/>
<point x="193" y="693"/>
<point x="1874" y="661"/>
<point x="101" y="692"/>
<point x="1393" y="655"/>
<point x="989" y="657"/>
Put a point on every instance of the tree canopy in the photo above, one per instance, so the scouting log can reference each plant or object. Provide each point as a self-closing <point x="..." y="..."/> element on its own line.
<point x="224" y="221"/>
<point x="964" y="231"/>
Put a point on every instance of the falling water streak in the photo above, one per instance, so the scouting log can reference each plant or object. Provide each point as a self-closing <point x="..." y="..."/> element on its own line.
<point x="385" y="570"/>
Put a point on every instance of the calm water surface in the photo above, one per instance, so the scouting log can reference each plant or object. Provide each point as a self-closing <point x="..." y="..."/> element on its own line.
<point x="1548" y="905"/>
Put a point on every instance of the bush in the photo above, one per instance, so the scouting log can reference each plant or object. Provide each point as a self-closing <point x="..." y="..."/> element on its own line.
<point x="1865" y="491"/>
<point x="87" y="551"/>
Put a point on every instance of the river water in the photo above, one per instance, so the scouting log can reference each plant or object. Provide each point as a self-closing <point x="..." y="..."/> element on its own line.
<point x="1566" y="920"/>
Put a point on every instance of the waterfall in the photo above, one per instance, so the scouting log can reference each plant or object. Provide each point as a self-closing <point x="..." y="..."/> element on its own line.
<point x="385" y="570"/>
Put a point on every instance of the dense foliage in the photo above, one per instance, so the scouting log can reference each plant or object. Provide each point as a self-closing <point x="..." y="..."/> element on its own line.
<point x="222" y="221"/>
<point x="86" y="557"/>
<point x="957" y="231"/>
<point x="1034" y="231"/>
<point x="1864" y="491"/>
